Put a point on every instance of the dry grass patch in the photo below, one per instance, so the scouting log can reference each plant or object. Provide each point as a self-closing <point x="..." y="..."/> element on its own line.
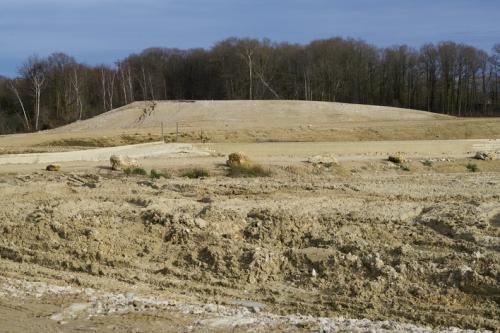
<point x="157" y="174"/>
<point x="195" y="173"/>
<point x="135" y="171"/>
<point x="248" y="170"/>
<point x="81" y="142"/>
<point x="472" y="167"/>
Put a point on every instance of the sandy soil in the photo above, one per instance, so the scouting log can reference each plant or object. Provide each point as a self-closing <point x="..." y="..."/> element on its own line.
<point x="161" y="155"/>
<point x="364" y="240"/>
<point x="243" y="114"/>
<point x="360" y="246"/>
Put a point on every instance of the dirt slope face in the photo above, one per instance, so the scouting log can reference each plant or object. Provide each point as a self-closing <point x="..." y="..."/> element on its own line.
<point x="243" y="114"/>
<point x="417" y="248"/>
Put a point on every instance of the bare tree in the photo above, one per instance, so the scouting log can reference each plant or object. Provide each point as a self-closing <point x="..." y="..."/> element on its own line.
<point x="103" y="86"/>
<point x="130" y="85"/>
<point x="75" y="82"/>
<point x="144" y="84"/>
<point x="111" y="89"/>
<point x="34" y="71"/>
<point x="123" y="82"/>
<point x="13" y="87"/>
<point x="248" y="49"/>
<point x="267" y="85"/>
<point x="151" y="90"/>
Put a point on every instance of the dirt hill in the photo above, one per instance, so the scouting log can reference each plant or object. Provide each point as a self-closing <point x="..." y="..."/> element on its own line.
<point x="251" y="121"/>
<point x="243" y="114"/>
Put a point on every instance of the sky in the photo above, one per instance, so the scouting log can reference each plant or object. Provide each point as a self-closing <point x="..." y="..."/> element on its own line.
<point x="103" y="31"/>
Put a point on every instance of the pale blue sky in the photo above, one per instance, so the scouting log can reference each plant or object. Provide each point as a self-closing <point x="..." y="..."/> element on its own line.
<point x="102" y="31"/>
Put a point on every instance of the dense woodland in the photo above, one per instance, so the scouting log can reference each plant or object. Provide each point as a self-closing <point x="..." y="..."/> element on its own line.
<point x="448" y="78"/>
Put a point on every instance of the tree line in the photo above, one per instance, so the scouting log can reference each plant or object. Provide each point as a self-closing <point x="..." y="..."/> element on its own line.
<point x="447" y="77"/>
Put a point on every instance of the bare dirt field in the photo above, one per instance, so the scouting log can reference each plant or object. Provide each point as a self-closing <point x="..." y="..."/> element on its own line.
<point x="361" y="240"/>
<point x="364" y="245"/>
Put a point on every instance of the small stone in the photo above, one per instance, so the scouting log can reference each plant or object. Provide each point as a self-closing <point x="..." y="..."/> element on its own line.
<point x="206" y="200"/>
<point x="53" y="167"/>
<point x="255" y="309"/>
<point x="93" y="269"/>
<point x="326" y="160"/>
<point x="485" y="156"/>
<point x="397" y="158"/>
<point x="90" y="232"/>
<point x="120" y="162"/>
<point x="201" y="223"/>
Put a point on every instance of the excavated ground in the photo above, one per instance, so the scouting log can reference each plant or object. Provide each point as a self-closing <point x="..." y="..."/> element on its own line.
<point x="96" y="250"/>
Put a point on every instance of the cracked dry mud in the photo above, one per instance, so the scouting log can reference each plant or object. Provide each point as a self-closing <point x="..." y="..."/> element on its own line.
<point x="298" y="251"/>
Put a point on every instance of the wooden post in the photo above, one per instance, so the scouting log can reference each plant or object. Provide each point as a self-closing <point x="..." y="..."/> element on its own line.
<point x="162" y="135"/>
<point x="176" y="132"/>
<point x="201" y="135"/>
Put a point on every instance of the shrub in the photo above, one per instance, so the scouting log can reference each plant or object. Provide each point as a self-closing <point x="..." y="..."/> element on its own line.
<point x="427" y="163"/>
<point x="195" y="173"/>
<point x="135" y="171"/>
<point x="405" y="167"/>
<point x="157" y="174"/>
<point x="248" y="170"/>
<point x="472" y="167"/>
<point x="328" y="165"/>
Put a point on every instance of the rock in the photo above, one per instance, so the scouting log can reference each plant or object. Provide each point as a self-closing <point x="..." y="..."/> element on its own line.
<point x="373" y="262"/>
<point x="201" y="223"/>
<point x="211" y="308"/>
<point x="53" y="167"/>
<point x="236" y="159"/>
<point x="314" y="273"/>
<point x="93" y="269"/>
<point x="254" y="307"/>
<point x="206" y="200"/>
<point x="120" y="162"/>
<point x="397" y="158"/>
<point x="485" y="156"/>
<point x="326" y="160"/>
<point x="90" y="232"/>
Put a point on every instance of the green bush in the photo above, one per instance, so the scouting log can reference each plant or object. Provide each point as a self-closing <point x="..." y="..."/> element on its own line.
<point x="195" y="173"/>
<point x="157" y="174"/>
<point x="135" y="171"/>
<point x="248" y="170"/>
<point x="472" y="167"/>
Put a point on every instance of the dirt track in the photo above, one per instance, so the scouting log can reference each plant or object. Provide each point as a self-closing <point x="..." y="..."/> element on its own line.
<point x="267" y="152"/>
<point x="103" y="154"/>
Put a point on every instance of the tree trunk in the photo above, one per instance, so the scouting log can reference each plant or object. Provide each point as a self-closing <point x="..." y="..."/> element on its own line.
<point x="25" y="115"/>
